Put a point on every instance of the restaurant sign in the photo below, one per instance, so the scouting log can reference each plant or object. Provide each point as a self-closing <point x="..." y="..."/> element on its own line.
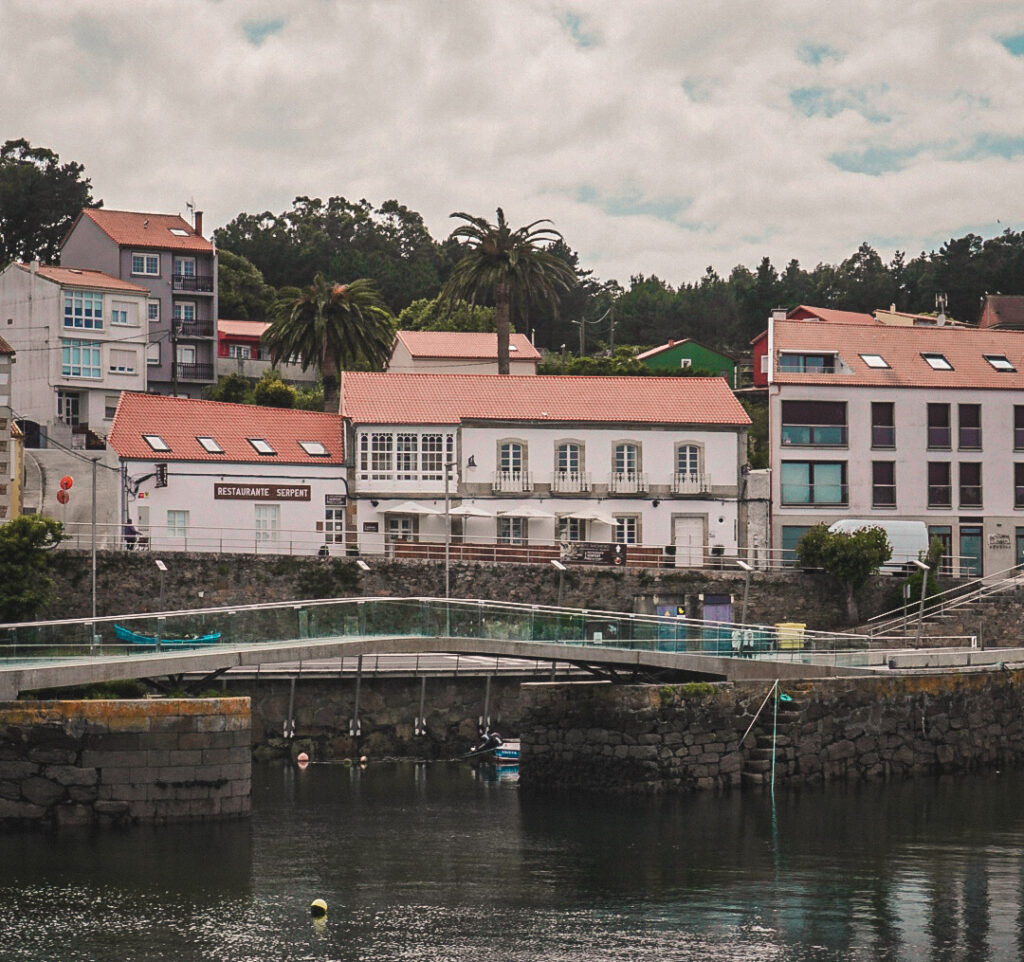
<point x="593" y="553"/>
<point x="261" y="492"/>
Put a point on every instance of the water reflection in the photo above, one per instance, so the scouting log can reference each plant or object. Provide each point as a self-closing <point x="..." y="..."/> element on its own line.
<point x="443" y="861"/>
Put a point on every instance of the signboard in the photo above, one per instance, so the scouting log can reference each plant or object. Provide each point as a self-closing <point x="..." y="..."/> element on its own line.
<point x="371" y="527"/>
<point x="261" y="492"/>
<point x="593" y="553"/>
<point x="335" y="501"/>
<point x="999" y="541"/>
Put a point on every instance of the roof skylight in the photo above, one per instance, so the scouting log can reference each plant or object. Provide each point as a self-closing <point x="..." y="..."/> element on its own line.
<point x="314" y="449"/>
<point x="156" y="442"/>
<point x="1000" y="362"/>
<point x="937" y="362"/>
<point x="210" y="445"/>
<point x="178" y="231"/>
<point x="261" y="446"/>
<point x="874" y="360"/>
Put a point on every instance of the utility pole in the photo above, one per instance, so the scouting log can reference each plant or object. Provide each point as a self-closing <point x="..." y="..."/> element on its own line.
<point x="174" y="356"/>
<point x="611" y="335"/>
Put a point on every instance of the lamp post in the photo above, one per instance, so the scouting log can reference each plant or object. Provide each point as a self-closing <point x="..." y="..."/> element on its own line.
<point x="560" y="568"/>
<point x="448" y="465"/>
<point x="746" y="569"/>
<point x="163" y="571"/>
<point x="924" y="569"/>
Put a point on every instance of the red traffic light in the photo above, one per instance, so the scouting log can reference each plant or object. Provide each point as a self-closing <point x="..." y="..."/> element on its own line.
<point x="62" y="496"/>
<point x="66" y="482"/>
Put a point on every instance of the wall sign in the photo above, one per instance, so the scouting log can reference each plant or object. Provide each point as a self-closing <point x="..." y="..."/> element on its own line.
<point x="999" y="541"/>
<point x="371" y="527"/>
<point x="335" y="501"/>
<point x="593" y="553"/>
<point x="261" y="492"/>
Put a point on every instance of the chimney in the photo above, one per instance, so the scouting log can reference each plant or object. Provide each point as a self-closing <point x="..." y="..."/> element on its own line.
<point x="779" y="314"/>
<point x="199" y="222"/>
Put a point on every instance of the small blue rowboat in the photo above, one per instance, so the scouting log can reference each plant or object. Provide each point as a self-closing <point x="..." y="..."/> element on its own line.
<point x="135" y="638"/>
<point x="507" y="753"/>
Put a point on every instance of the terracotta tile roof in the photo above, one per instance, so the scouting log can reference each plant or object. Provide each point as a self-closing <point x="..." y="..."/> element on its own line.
<point x="451" y="398"/>
<point x="901" y="347"/>
<point x="654" y="351"/>
<point x="242" y="328"/>
<point x="5" y="348"/>
<point x="1005" y="310"/>
<point x="458" y="344"/>
<point x="179" y="420"/>
<point x="829" y="315"/>
<point x="134" y="229"/>
<point x="80" y="277"/>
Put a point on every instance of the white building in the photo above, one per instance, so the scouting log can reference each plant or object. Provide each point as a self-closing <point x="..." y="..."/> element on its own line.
<point x="206" y="476"/>
<point x="910" y="423"/>
<point x="80" y="336"/>
<point x="535" y="464"/>
<point x="458" y="352"/>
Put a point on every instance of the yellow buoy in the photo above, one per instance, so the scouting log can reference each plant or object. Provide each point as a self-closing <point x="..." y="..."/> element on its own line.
<point x="318" y="909"/>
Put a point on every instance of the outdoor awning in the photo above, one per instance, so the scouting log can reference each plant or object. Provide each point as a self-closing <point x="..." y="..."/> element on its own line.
<point x="410" y="507"/>
<point x="470" y="511"/>
<point x="524" y="512"/>
<point x="591" y="516"/>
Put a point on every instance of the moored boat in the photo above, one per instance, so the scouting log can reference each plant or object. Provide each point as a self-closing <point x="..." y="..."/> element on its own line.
<point x="137" y="638"/>
<point x="507" y="753"/>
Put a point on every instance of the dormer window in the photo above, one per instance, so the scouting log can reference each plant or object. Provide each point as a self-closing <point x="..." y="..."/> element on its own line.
<point x="874" y="360"/>
<point x="314" y="449"/>
<point x="210" y="445"/>
<point x="1000" y="362"/>
<point x="156" y="442"/>
<point x="801" y="363"/>
<point x="937" y="362"/>
<point x="261" y="446"/>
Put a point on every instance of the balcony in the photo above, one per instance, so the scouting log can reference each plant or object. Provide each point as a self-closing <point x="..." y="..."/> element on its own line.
<point x="511" y="482"/>
<point x="627" y="482"/>
<point x="195" y="328"/>
<point x="193" y="371"/>
<point x="690" y="483"/>
<point x="570" y="482"/>
<point x="192" y="283"/>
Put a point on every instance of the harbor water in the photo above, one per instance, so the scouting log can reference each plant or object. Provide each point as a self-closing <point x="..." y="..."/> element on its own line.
<point x="442" y="861"/>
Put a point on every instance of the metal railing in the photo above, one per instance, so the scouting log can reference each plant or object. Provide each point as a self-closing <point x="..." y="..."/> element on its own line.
<point x="194" y="372"/>
<point x="200" y="283"/>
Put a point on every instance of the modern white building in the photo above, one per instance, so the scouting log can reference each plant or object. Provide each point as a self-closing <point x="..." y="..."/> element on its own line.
<point x="523" y="466"/>
<point x="80" y="337"/>
<point x="910" y="423"/>
<point x="459" y="352"/>
<point x="212" y="477"/>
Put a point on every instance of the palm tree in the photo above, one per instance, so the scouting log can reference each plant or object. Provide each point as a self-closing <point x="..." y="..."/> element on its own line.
<point x="509" y="265"/>
<point x="333" y="326"/>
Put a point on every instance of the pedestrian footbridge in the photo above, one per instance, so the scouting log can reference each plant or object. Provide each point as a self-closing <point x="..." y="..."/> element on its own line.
<point x="611" y="645"/>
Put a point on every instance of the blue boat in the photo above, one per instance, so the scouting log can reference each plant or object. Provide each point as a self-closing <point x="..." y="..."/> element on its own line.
<point x="507" y="753"/>
<point x="187" y="641"/>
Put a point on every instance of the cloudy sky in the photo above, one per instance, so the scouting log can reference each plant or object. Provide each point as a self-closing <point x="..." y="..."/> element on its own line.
<point x="660" y="137"/>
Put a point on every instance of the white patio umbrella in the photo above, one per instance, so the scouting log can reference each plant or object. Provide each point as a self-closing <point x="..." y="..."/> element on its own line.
<point x="524" y="512"/>
<point x="410" y="507"/>
<point x="585" y="515"/>
<point x="470" y="511"/>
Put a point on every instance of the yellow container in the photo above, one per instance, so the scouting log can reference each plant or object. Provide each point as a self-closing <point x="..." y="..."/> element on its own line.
<point x="790" y="634"/>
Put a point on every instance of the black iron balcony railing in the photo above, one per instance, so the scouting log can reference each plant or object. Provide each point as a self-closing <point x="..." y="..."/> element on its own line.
<point x="195" y="283"/>
<point x="195" y="328"/>
<point x="194" y="372"/>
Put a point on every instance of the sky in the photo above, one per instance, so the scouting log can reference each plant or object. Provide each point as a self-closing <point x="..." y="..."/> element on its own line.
<point x="659" y="136"/>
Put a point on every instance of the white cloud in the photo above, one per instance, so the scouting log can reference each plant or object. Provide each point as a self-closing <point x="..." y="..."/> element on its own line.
<point x="581" y="112"/>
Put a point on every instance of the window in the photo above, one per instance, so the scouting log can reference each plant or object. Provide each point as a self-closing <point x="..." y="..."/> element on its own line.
<point x="185" y="311"/>
<point x="186" y="354"/>
<point x="940" y="485"/>
<point x="938" y="426"/>
<point x="261" y="446"/>
<point x="243" y="351"/>
<point x="814" y="482"/>
<point x="627" y="528"/>
<point x="178" y="231"/>
<point x="210" y="446"/>
<point x="945" y="535"/>
<point x="883" y="424"/>
<point x="883" y="484"/>
<point x="970" y="484"/>
<point x="110" y="406"/>
<point x="970" y="426"/>
<point x="685" y="362"/>
<point x="406" y="446"/>
<point x="83" y="310"/>
<point x="1018" y="427"/>
<point x="156" y="442"/>
<point x="791" y="534"/>
<point x="511" y="530"/>
<point x="568" y="458"/>
<point x="874" y="360"/>
<point x="937" y="362"/>
<point x="382" y="451"/>
<point x="400" y="527"/>
<point x="814" y="423"/>
<point x="122" y="362"/>
<point x="688" y="460"/>
<point x="80" y="358"/>
<point x="177" y="524"/>
<point x="153" y="311"/>
<point x="122" y="314"/>
<point x="314" y="449"/>
<point x="824" y="363"/>
<point x="153" y="353"/>
<point x="334" y="525"/>
<point x="67" y="407"/>
<point x="433" y="451"/>
<point x="1000" y="362"/>
<point x="510" y="458"/>
<point x="627" y="459"/>
<point x="1018" y="485"/>
<point x="384" y="455"/>
<point x="185" y="266"/>
<point x="571" y="529"/>
<point x="268" y="520"/>
<point x="147" y="264"/>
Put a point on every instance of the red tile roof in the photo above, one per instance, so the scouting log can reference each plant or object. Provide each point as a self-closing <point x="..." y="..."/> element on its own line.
<point x="459" y="344"/>
<point x="451" y="398"/>
<point x="829" y="315"/>
<point x="901" y="347"/>
<point x="1005" y="310"/>
<point x="179" y="420"/>
<point x="242" y="328"/>
<point x="654" y="351"/>
<point x="80" y="277"/>
<point x="5" y="348"/>
<point x="134" y="229"/>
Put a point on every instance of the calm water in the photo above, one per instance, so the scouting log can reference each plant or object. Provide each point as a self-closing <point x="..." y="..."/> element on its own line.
<point x="435" y="862"/>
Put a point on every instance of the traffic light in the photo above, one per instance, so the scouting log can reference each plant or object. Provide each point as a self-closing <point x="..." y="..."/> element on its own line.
<point x="161" y="475"/>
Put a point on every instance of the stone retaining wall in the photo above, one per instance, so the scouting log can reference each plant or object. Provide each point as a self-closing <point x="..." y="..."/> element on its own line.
<point x="645" y="739"/>
<point x="100" y="762"/>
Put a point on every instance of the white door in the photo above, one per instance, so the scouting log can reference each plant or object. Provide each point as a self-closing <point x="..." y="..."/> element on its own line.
<point x="688" y="537"/>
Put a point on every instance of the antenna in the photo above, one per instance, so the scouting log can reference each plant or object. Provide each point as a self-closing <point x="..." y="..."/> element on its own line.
<point x="190" y="206"/>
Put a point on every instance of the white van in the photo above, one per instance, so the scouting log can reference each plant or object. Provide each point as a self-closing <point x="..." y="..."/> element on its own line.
<point x="909" y="539"/>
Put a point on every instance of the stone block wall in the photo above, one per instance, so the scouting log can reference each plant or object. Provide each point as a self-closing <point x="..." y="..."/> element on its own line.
<point x="101" y="762"/>
<point x="646" y="739"/>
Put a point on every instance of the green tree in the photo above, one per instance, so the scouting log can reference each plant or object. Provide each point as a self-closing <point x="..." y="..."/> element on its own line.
<point x="509" y="266"/>
<point x="39" y="198"/>
<point x="757" y="434"/>
<point x="310" y="399"/>
<point x="25" y="580"/>
<point x="438" y="315"/>
<point x="242" y="294"/>
<point x="271" y="392"/>
<point x="850" y="558"/>
<point x="332" y="326"/>
<point x="232" y="388"/>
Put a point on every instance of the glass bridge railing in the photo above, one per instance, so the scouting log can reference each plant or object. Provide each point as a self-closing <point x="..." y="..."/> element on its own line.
<point x="362" y="618"/>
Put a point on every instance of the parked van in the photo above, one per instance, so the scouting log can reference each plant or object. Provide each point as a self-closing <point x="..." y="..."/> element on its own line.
<point x="909" y="539"/>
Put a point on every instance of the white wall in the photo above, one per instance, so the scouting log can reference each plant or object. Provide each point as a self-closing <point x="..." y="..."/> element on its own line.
<point x="402" y="362"/>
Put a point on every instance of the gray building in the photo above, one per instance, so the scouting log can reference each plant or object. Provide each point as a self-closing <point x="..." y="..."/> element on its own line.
<point x="171" y="259"/>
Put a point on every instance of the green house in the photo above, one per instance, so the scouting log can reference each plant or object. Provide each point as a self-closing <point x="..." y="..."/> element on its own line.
<point x="690" y="353"/>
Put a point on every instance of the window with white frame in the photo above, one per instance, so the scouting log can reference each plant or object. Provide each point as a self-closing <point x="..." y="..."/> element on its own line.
<point x="185" y="266"/>
<point x="510" y="458"/>
<point x="186" y="354"/>
<point x="80" y="358"/>
<point x="83" y="310"/>
<point x="511" y="530"/>
<point x="435" y="451"/>
<point x="571" y="529"/>
<point x="627" y="459"/>
<point x="382" y="454"/>
<point x="243" y="351"/>
<point x="404" y="455"/>
<point x="334" y="525"/>
<point x="185" y="310"/>
<point x="110" y="406"/>
<point x="688" y="460"/>
<point x="627" y="529"/>
<point x="177" y="524"/>
<point x="153" y="311"/>
<point x="268" y="521"/>
<point x="153" y="353"/>
<point x="146" y="264"/>
<point x="406" y="465"/>
<point x="123" y="314"/>
<point x="568" y="457"/>
<point x="122" y="361"/>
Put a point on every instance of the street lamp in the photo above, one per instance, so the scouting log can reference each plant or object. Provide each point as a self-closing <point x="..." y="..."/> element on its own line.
<point x="746" y="569"/>
<point x="560" y="568"/>
<point x="163" y="571"/>
<point x="924" y="569"/>
<point x="448" y="465"/>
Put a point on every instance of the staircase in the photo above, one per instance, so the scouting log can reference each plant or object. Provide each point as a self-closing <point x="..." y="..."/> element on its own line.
<point x="757" y="766"/>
